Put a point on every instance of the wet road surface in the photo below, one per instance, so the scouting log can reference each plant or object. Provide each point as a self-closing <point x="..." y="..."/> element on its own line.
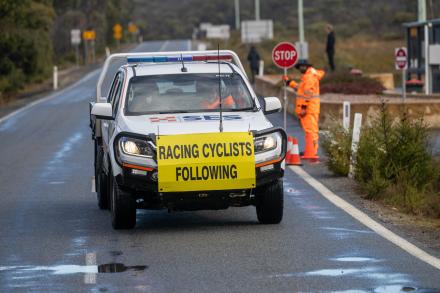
<point x="55" y="239"/>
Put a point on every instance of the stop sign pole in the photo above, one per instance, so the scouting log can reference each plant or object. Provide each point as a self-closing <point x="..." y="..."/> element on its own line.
<point x="285" y="55"/>
<point x="401" y="62"/>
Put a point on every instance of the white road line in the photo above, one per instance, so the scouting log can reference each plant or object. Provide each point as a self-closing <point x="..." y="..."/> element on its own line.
<point x="366" y="220"/>
<point x="90" y="278"/>
<point x="164" y="45"/>
<point x="93" y="184"/>
<point x="50" y="97"/>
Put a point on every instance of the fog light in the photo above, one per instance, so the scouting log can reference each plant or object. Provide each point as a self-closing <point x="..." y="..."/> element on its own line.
<point x="266" y="168"/>
<point x="138" y="172"/>
<point x="154" y="176"/>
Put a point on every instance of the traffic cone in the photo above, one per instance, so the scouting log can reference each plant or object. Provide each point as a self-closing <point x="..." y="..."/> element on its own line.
<point x="311" y="149"/>
<point x="289" y="147"/>
<point x="292" y="157"/>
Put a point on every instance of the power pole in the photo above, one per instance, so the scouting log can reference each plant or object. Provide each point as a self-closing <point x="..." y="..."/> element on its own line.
<point x="421" y="10"/>
<point x="237" y="14"/>
<point x="257" y="9"/>
<point x="301" y="20"/>
<point x="422" y="17"/>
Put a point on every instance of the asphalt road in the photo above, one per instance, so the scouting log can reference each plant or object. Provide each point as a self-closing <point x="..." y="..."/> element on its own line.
<point x="53" y="237"/>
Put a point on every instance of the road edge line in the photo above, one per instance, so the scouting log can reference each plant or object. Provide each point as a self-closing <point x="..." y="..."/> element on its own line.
<point x="164" y="45"/>
<point x="364" y="219"/>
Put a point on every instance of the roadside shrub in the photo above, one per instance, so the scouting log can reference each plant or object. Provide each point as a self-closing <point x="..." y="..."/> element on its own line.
<point x="345" y="83"/>
<point x="393" y="162"/>
<point x="25" y="44"/>
<point x="336" y="142"/>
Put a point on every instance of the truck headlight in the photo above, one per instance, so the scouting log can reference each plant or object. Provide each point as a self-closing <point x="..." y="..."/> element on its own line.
<point x="269" y="145"/>
<point x="135" y="147"/>
<point x="265" y="143"/>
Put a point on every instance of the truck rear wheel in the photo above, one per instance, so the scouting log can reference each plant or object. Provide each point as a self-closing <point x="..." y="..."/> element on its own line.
<point x="122" y="208"/>
<point x="270" y="203"/>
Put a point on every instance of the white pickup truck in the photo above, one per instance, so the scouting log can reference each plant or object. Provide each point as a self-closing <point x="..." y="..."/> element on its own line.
<point x="185" y="131"/>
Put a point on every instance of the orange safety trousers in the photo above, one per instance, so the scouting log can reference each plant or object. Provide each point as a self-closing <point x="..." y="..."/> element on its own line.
<point x="309" y="123"/>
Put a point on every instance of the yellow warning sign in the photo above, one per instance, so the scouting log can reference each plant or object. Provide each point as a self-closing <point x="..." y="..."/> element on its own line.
<point x="117" y="28"/>
<point x="89" y="35"/>
<point x="132" y="28"/>
<point x="117" y="31"/>
<point x="206" y="161"/>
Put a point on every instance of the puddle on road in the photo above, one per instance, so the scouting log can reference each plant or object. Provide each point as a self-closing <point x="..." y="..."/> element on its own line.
<point x="374" y="273"/>
<point x="347" y="230"/>
<point x="75" y="269"/>
<point x="389" y="289"/>
<point x="292" y="191"/>
<point x="344" y="233"/>
<point x="355" y="259"/>
<point x="119" y="268"/>
<point x="394" y="288"/>
<point x="115" y="253"/>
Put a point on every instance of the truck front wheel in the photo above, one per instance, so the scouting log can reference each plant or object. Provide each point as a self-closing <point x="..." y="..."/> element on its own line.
<point x="122" y="207"/>
<point x="270" y="203"/>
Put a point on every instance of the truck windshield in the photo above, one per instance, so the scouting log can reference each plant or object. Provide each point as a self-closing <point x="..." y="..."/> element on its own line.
<point x="173" y="93"/>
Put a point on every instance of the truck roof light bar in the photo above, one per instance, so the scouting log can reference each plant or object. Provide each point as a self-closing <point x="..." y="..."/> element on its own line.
<point x="207" y="55"/>
<point x="185" y="58"/>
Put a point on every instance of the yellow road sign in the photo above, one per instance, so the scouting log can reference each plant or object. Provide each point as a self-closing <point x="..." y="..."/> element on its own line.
<point x="117" y="31"/>
<point x="117" y="36"/>
<point x="206" y="161"/>
<point x="132" y="28"/>
<point x="89" y="35"/>
<point x="117" y="28"/>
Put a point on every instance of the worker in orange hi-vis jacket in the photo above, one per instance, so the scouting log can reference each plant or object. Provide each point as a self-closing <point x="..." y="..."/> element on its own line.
<point x="307" y="106"/>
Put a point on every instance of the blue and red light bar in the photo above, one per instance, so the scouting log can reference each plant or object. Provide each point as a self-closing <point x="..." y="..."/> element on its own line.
<point x="184" y="58"/>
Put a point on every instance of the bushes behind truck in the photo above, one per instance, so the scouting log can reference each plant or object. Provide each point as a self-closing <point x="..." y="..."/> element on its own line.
<point x="393" y="162"/>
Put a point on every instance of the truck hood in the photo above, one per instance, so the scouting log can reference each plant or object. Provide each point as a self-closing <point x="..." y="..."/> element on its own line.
<point x="171" y="124"/>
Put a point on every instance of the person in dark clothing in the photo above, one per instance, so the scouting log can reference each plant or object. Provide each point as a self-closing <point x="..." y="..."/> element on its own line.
<point x="330" y="47"/>
<point x="254" y="62"/>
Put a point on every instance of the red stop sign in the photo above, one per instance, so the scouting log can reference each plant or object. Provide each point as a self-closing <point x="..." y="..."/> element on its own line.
<point x="284" y="55"/>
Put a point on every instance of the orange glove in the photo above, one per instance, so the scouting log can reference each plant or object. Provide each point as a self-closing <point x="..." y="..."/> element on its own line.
<point x="285" y="78"/>
<point x="292" y="84"/>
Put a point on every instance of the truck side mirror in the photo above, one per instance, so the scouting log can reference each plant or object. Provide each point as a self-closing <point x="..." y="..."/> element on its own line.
<point x="103" y="111"/>
<point x="271" y="105"/>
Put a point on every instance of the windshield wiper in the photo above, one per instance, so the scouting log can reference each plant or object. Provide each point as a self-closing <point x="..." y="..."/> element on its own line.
<point x="240" y="109"/>
<point x="172" y="112"/>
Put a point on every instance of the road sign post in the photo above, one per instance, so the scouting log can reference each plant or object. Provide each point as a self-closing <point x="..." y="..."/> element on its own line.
<point x="55" y="78"/>
<point x="355" y="142"/>
<point x="117" y="34"/>
<point x="89" y="37"/>
<point x="285" y="55"/>
<point x="346" y="115"/>
<point x="75" y="40"/>
<point x="401" y="63"/>
<point x="133" y="30"/>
